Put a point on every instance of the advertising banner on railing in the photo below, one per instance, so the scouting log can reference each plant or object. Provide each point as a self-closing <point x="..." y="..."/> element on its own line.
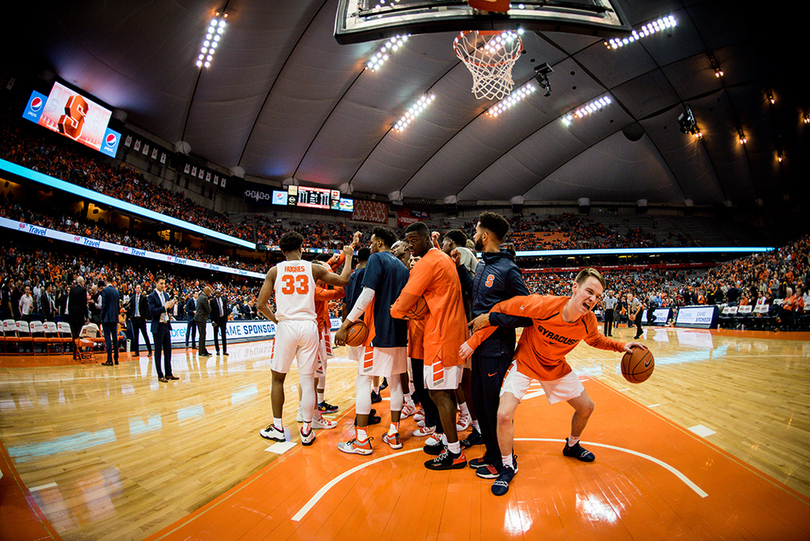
<point x="235" y="332"/>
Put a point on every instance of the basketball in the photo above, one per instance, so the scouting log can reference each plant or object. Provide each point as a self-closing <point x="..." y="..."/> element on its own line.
<point x="418" y="310"/>
<point x="638" y="365"/>
<point x="356" y="334"/>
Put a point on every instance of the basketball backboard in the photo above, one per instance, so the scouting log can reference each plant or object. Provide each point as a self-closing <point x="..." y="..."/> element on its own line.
<point x="370" y="20"/>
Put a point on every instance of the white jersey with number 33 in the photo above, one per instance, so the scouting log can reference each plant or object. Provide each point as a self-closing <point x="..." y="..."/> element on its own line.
<point x="295" y="291"/>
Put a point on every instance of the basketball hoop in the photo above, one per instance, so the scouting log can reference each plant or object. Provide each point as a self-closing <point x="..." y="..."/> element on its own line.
<point x="490" y="56"/>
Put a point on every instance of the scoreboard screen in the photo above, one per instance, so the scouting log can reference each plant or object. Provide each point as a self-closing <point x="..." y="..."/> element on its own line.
<point x="315" y="198"/>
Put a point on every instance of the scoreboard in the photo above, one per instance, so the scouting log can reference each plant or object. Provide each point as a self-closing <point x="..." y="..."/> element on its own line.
<point x="316" y="198"/>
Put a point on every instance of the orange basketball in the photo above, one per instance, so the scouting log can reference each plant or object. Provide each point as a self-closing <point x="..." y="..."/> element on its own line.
<point x="356" y="334"/>
<point x="418" y="310"/>
<point x="638" y="365"/>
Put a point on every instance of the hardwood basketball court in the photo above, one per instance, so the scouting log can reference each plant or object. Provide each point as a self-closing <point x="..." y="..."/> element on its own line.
<point x="713" y="446"/>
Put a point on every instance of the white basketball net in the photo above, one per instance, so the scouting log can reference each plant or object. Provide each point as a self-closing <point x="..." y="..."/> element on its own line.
<point x="489" y="56"/>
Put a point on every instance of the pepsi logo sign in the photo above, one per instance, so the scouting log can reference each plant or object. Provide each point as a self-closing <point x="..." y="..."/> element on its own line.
<point x="111" y="140"/>
<point x="36" y="104"/>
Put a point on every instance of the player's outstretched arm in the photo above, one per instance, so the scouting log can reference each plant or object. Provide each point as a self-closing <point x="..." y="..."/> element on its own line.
<point x="265" y="294"/>
<point x="322" y="273"/>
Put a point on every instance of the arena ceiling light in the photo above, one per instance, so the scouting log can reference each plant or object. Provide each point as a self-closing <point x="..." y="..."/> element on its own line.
<point x="648" y="29"/>
<point x="381" y="56"/>
<point x="211" y="41"/>
<point x="512" y="99"/>
<point x="585" y="110"/>
<point x="414" y="111"/>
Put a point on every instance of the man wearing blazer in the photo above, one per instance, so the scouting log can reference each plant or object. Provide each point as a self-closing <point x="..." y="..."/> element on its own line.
<point x="47" y="303"/>
<point x="219" y="319"/>
<point x="201" y="318"/>
<point x="191" y="325"/>
<point x="160" y="306"/>
<point x="109" y="320"/>
<point x="137" y="313"/>
<point x="77" y="310"/>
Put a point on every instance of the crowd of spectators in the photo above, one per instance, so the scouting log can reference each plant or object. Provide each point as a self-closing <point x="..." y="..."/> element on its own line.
<point x="76" y="165"/>
<point x="43" y="264"/>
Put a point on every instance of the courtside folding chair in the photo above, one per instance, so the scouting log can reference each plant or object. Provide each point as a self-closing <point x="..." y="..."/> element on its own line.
<point x="85" y="343"/>
<point x="52" y="341"/>
<point x="25" y="337"/>
<point x="38" y="337"/>
<point x="10" y="339"/>
<point x="65" y="337"/>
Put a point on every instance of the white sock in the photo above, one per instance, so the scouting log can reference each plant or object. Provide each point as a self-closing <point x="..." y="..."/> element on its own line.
<point x="362" y="435"/>
<point x="454" y="448"/>
<point x="572" y="441"/>
<point x="506" y="460"/>
<point x="476" y="426"/>
<point x="320" y="397"/>
<point x="393" y="429"/>
<point x="463" y="408"/>
<point x="277" y="423"/>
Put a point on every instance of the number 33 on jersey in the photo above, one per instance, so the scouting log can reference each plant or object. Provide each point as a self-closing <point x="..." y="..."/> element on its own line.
<point x="295" y="290"/>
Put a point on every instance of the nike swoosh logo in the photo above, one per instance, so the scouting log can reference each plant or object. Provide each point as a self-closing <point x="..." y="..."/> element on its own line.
<point x="647" y="363"/>
<point x="492" y="374"/>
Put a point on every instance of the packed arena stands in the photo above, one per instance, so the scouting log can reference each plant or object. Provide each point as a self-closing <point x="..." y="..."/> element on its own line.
<point x="778" y="277"/>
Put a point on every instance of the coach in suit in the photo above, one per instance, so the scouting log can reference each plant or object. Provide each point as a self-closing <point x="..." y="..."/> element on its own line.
<point x="110" y="306"/>
<point x="77" y="310"/>
<point x="160" y="306"/>
<point x="191" y="325"/>
<point x="137" y="313"/>
<point x="47" y="303"/>
<point x="201" y="318"/>
<point x="219" y="319"/>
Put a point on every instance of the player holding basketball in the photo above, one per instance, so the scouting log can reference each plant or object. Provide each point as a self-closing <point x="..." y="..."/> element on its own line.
<point x="383" y="280"/>
<point x="293" y="282"/>
<point x="435" y="278"/>
<point x="559" y="324"/>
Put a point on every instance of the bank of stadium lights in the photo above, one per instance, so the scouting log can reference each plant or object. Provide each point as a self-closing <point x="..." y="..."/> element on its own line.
<point x="658" y="25"/>
<point x="211" y="41"/>
<point x="413" y="111"/>
<point x="585" y="110"/>
<point x="512" y="99"/>
<point x="393" y="44"/>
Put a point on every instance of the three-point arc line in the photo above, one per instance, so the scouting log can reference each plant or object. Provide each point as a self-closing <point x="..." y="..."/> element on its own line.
<point x="328" y="486"/>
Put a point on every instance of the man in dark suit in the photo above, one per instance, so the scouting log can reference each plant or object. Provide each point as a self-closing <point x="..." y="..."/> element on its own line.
<point x="47" y="303"/>
<point x="110" y="306"/>
<point x="201" y="318"/>
<point x="219" y="319"/>
<point x="77" y="310"/>
<point x="160" y="306"/>
<point x="137" y="312"/>
<point x="191" y="325"/>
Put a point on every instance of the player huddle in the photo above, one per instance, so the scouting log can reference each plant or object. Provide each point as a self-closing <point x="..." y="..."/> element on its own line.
<point x="484" y="375"/>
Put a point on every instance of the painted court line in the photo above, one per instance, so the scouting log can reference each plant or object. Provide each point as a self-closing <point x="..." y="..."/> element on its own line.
<point x="702" y="431"/>
<point x="328" y="486"/>
<point x="41" y="487"/>
<point x="699" y="491"/>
